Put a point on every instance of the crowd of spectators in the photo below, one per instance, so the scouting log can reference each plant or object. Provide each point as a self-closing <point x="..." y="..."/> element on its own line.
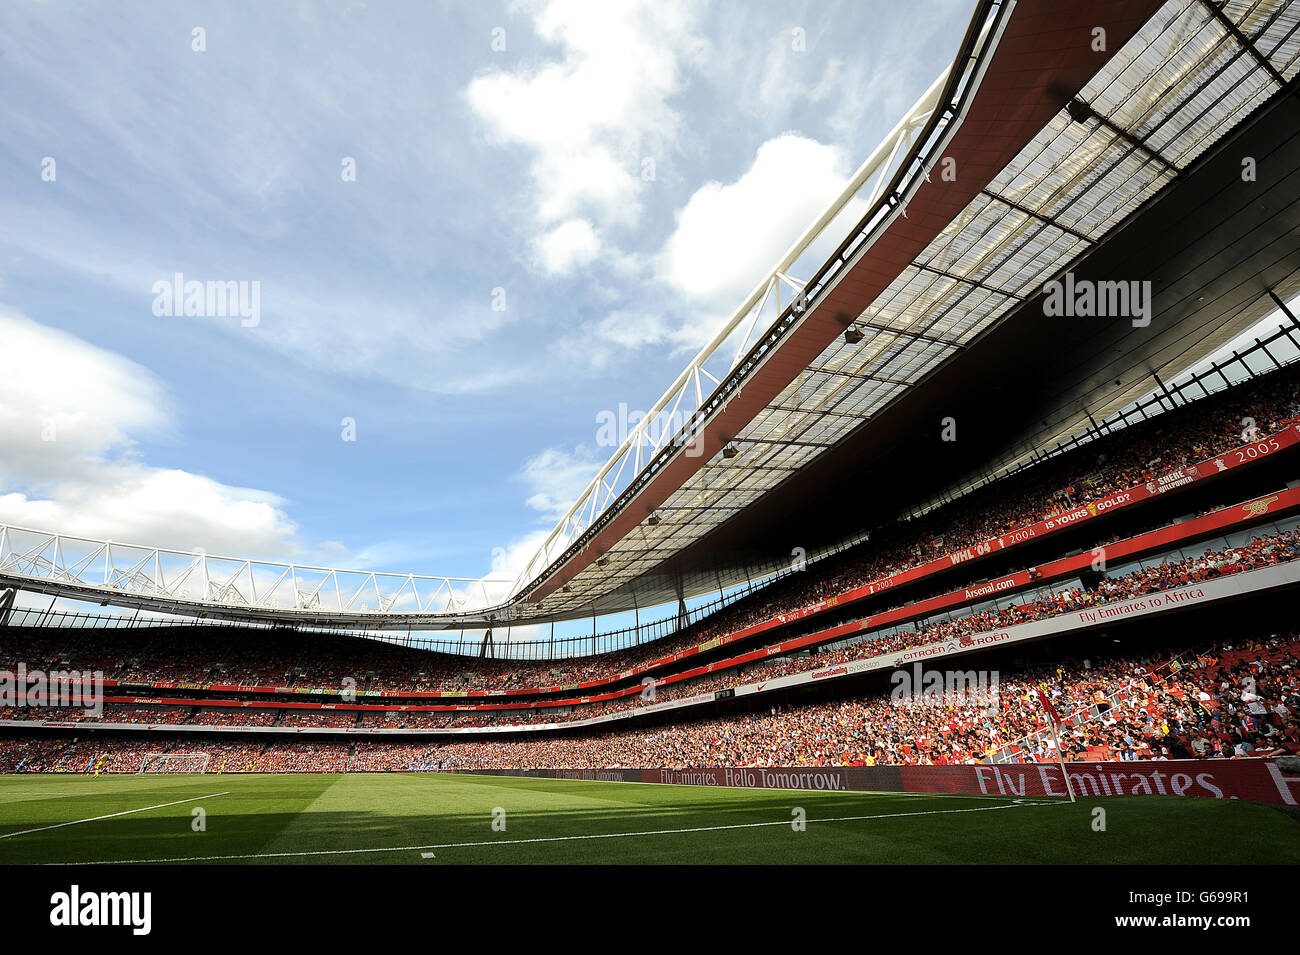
<point x="109" y="714"/>
<point x="304" y="757"/>
<point x="398" y="719"/>
<point x="317" y="718"/>
<point x="1261" y="551"/>
<point x="1237" y="703"/>
<point x="234" y="716"/>
<point x="1230" y="701"/>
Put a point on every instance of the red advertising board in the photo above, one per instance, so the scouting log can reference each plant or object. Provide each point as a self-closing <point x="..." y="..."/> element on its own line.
<point x="1258" y="780"/>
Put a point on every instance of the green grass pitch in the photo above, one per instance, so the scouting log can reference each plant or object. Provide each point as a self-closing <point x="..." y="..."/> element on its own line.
<point x="434" y="819"/>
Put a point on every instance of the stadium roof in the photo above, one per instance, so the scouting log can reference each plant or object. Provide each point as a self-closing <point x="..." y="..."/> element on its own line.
<point x="1030" y="156"/>
<point x="1052" y="147"/>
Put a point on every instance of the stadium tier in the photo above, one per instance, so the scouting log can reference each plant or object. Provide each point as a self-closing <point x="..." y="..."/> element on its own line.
<point x="1258" y="552"/>
<point x="1239" y="699"/>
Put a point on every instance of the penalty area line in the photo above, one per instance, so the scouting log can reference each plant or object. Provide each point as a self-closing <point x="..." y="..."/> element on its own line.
<point x="426" y="853"/>
<point x="111" y="815"/>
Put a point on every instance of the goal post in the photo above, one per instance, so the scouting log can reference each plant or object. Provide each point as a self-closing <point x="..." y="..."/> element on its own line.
<point x="175" y="763"/>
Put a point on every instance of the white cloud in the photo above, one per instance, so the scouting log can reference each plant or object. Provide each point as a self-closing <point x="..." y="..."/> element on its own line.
<point x="556" y="478"/>
<point x="632" y="330"/>
<point x="126" y="501"/>
<point x="569" y="246"/>
<point x="494" y="587"/>
<point x="729" y="236"/>
<point x="509" y="561"/>
<point x="726" y="238"/>
<point x="785" y="81"/>
<point x="62" y="399"/>
<point x="618" y="335"/>
<point x="590" y="117"/>
<point x="68" y="459"/>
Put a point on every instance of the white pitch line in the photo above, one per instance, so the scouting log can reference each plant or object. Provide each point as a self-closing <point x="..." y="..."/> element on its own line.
<point x="111" y="815"/>
<point x="517" y="842"/>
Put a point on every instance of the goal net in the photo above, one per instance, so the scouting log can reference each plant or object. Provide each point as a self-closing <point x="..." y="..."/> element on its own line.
<point x="175" y="763"/>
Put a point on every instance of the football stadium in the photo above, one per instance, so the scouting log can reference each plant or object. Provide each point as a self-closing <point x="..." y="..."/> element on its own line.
<point x="970" y="536"/>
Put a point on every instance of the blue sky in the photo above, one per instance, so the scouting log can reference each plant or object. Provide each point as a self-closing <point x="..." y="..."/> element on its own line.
<point x="521" y="169"/>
